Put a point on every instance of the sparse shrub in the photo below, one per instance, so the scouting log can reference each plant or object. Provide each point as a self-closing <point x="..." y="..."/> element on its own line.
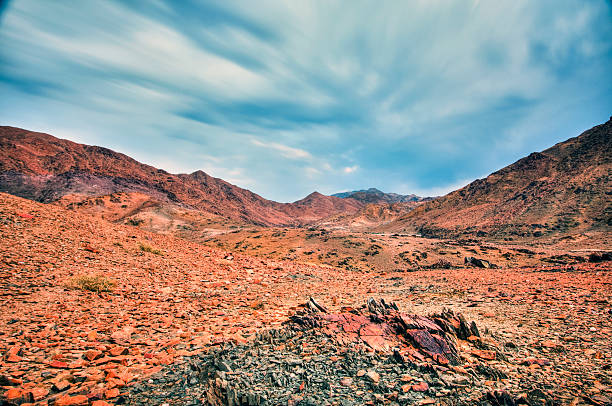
<point x="373" y="250"/>
<point x="135" y="222"/>
<point x="92" y="283"/>
<point x="441" y="264"/>
<point x="148" y="248"/>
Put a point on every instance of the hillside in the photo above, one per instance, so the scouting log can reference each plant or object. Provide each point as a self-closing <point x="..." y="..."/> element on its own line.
<point x="44" y="168"/>
<point x="566" y="188"/>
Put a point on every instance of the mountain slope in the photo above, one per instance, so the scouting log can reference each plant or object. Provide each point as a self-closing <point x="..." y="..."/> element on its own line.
<point x="564" y="188"/>
<point x="44" y="168"/>
<point x="373" y="195"/>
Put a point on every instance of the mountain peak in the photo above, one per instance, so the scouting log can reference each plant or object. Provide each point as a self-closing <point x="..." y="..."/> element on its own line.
<point x="373" y="195"/>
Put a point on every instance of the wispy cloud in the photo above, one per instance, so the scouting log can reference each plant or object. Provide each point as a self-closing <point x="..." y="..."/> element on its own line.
<point x="284" y="150"/>
<point x="295" y="93"/>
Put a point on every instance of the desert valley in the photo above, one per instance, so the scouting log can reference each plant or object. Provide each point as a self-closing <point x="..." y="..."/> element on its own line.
<point x="305" y="203"/>
<point x="122" y="283"/>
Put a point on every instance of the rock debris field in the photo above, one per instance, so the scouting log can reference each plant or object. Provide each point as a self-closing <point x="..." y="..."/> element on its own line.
<point x="178" y="323"/>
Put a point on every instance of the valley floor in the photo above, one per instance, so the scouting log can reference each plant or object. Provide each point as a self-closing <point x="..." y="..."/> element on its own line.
<point x="550" y="326"/>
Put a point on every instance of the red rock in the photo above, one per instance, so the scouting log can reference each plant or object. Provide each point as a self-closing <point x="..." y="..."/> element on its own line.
<point x="61" y="385"/>
<point x="111" y="393"/>
<point x="14" y="381"/>
<point x="39" y="393"/>
<point x="13" y="354"/>
<point x="100" y="403"/>
<point x="67" y="400"/>
<point x="13" y="358"/>
<point x="376" y="342"/>
<point x="91" y="249"/>
<point x="373" y="376"/>
<point x="548" y="344"/>
<point x="13" y="394"/>
<point x="123" y="334"/>
<point x="103" y="360"/>
<point x="77" y="364"/>
<point x="118" y="350"/>
<point x="58" y="364"/>
<point x="125" y="376"/>
<point x="420" y="387"/>
<point x="92" y="354"/>
<point x="484" y="354"/>
<point x="441" y="359"/>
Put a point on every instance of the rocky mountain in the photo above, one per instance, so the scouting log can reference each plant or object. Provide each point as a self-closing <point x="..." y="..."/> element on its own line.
<point x="41" y="167"/>
<point x="373" y="195"/>
<point x="566" y="188"/>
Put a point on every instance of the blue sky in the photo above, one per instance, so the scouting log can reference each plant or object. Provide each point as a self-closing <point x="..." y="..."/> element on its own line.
<point x="285" y="98"/>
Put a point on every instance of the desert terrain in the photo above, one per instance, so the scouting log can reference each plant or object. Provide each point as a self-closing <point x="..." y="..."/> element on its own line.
<point x="547" y="326"/>
<point x="122" y="284"/>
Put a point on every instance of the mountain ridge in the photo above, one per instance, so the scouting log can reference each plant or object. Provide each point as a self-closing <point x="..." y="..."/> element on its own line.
<point x="45" y="168"/>
<point x="373" y="195"/>
<point x="566" y="187"/>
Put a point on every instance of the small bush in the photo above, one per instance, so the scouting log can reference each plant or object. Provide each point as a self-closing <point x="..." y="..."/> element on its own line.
<point x="441" y="264"/>
<point x="148" y="248"/>
<point x="135" y="222"/>
<point x="93" y="283"/>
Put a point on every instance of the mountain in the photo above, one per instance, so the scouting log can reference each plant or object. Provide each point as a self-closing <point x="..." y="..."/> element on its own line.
<point x="373" y="195"/>
<point x="566" y="188"/>
<point x="41" y="167"/>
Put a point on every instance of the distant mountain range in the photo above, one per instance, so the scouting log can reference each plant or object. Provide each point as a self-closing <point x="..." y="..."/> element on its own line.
<point x="373" y="195"/>
<point x="41" y="167"/>
<point x="565" y="188"/>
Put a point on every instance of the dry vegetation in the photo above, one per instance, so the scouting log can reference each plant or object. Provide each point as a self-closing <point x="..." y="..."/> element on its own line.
<point x="93" y="283"/>
<point x="147" y="248"/>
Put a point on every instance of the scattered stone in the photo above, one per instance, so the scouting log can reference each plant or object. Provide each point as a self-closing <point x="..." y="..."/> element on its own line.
<point x="373" y="376"/>
<point x="92" y="354"/>
<point x="67" y="400"/>
<point x="420" y="387"/>
<point x="477" y="262"/>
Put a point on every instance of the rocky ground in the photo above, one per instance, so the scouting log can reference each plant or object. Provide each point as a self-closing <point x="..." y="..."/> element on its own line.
<point x="368" y="251"/>
<point x="178" y="309"/>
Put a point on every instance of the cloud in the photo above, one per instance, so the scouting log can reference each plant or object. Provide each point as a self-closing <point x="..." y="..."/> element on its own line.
<point x="421" y="94"/>
<point x="287" y="152"/>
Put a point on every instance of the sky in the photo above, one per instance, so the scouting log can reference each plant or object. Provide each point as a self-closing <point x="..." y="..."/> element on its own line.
<point x="288" y="97"/>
